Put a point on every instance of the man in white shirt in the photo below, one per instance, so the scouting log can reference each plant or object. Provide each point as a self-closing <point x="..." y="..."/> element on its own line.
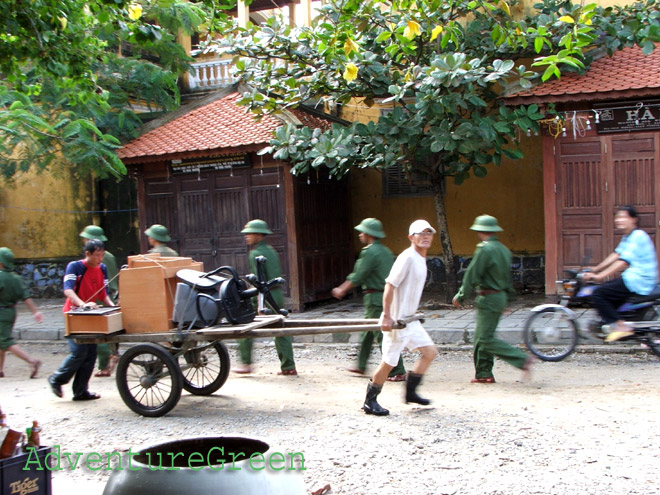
<point x="403" y="291"/>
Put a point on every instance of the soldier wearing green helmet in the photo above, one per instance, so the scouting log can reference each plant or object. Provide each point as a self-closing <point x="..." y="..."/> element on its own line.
<point x="489" y="274"/>
<point x="12" y="291"/>
<point x="157" y="236"/>
<point x="370" y="270"/>
<point x="95" y="232"/>
<point x="107" y="354"/>
<point x="255" y="232"/>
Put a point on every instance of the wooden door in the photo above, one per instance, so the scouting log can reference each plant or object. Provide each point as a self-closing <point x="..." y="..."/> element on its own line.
<point x="195" y="228"/>
<point x="594" y="176"/>
<point x="205" y="213"/>
<point x="161" y="207"/>
<point x="634" y="179"/>
<point x="582" y="221"/>
<point x="325" y="234"/>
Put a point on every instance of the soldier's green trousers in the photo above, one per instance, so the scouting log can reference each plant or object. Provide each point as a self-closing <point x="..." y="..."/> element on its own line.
<point x="103" y="353"/>
<point x="486" y="346"/>
<point x="367" y="341"/>
<point x="283" y="346"/>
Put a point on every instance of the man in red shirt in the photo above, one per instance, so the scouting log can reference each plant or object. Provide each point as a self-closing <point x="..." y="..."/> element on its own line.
<point x="85" y="283"/>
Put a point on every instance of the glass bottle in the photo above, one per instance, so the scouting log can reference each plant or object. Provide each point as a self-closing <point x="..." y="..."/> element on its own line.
<point x="3" y="427"/>
<point x="34" y="439"/>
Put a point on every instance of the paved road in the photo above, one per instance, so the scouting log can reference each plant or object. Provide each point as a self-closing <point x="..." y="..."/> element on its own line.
<point x="446" y="325"/>
<point x="587" y="425"/>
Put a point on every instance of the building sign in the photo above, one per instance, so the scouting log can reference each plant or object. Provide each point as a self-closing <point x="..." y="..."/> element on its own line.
<point x="221" y="162"/>
<point x="639" y="117"/>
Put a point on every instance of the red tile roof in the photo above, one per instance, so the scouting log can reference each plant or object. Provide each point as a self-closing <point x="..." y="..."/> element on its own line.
<point x="628" y="73"/>
<point x="221" y="124"/>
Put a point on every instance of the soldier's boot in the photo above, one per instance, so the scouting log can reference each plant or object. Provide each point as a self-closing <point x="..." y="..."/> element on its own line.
<point x="411" y="390"/>
<point x="371" y="405"/>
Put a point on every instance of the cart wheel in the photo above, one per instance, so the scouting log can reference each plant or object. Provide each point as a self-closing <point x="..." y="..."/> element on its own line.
<point x="149" y="380"/>
<point x="204" y="368"/>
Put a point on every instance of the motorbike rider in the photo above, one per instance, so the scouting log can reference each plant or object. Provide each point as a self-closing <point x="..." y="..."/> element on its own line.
<point x="634" y="263"/>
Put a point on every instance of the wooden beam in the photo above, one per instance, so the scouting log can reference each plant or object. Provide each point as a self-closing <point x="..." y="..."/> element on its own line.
<point x="293" y="247"/>
<point x="550" y="213"/>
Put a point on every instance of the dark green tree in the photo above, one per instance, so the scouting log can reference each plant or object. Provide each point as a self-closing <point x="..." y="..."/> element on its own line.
<point x="442" y="65"/>
<point x="74" y="71"/>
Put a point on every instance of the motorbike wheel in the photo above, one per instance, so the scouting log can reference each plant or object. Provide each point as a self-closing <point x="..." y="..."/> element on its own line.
<point x="652" y="337"/>
<point x="550" y="334"/>
<point x="652" y="340"/>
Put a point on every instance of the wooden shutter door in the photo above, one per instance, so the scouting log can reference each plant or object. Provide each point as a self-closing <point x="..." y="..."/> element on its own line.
<point x="580" y="182"/>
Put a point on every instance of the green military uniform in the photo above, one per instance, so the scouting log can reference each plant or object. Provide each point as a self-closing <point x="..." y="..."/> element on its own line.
<point x="110" y="263"/>
<point x="490" y="271"/>
<point x="12" y="290"/>
<point x="272" y="270"/>
<point x="370" y="270"/>
<point x="164" y="250"/>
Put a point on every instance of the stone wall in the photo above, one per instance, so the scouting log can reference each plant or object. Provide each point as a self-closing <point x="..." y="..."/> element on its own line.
<point x="528" y="273"/>
<point x="44" y="277"/>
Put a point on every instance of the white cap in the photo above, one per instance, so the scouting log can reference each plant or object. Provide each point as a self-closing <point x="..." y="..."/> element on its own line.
<point x="419" y="226"/>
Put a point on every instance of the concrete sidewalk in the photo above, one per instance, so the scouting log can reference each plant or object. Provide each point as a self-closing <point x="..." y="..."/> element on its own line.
<point x="446" y="326"/>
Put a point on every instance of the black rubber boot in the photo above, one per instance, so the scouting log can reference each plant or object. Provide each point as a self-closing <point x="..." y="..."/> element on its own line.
<point x="411" y="387"/>
<point x="371" y="405"/>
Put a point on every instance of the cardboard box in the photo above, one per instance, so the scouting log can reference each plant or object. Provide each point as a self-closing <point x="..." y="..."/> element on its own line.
<point x="103" y="320"/>
<point x="35" y="481"/>
<point x="147" y="290"/>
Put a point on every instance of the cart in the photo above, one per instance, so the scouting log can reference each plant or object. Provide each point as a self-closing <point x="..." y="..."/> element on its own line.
<point x="152" y="373"/>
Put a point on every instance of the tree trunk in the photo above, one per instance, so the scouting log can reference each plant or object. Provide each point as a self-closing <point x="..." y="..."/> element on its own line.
<point x="447" y="255"/>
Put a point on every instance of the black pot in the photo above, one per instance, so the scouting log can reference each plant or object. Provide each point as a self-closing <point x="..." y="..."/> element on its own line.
<point x="208" y="466"/>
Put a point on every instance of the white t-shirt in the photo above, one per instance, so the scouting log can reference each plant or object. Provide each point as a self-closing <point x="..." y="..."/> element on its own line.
<point x="408" y="276"/>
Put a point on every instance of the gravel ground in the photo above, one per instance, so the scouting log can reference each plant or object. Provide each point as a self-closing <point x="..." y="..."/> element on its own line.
<point x="588" y="425"/>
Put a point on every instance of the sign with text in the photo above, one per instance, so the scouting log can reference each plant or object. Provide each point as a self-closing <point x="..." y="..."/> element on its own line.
<point x="640" y="117"/>
<point x="221" y="162"/>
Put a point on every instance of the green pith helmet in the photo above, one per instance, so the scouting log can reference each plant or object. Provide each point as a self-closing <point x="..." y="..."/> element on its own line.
<point x="486" y="223"/>
<point x="158" y="232"/>
<point x="7" y="258"/>
<point x="372" y="227"/>
<point x="256" y="227"/>
<point x="93" y="232"/>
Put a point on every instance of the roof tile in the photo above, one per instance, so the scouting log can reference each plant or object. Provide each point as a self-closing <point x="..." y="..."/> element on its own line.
<point x="626" y="70"/>
<point x="219" y="124"/>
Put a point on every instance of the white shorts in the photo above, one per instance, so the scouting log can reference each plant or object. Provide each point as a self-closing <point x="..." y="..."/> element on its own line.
<point x="411" y="337"/>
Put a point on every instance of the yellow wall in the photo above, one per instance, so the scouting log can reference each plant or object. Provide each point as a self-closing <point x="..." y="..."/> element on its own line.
<point x="512" y="192"/>
<point x="38" y="216"/>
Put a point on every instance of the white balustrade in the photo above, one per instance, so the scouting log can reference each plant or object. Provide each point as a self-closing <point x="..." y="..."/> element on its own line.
<point x="212" y="74"/>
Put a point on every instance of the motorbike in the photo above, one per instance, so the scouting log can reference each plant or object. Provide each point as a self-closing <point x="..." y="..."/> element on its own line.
<point x="552" y="331"/>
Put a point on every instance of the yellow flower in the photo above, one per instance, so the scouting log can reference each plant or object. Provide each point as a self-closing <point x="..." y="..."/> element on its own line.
<point x="567" y="18"/>
<point x="413" y="29"/>
<point x="350" y="46"/>
<point x="436" y="31"/>
<point x="350" y="74"/>
<point x="585" y="20"/>
<point x="134" y="11"/>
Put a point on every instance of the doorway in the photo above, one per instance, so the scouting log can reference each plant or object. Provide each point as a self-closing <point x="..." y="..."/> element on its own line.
<point x="593" y="177"/>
